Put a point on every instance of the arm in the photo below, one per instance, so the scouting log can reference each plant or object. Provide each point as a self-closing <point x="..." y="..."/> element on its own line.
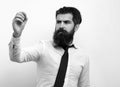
<point x="84" y="76"/>
<point x="19" y="54"/>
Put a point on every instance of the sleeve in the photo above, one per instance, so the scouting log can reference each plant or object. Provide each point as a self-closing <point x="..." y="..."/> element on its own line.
<point x="84" y="76"/>
<point x="19" y="54"/>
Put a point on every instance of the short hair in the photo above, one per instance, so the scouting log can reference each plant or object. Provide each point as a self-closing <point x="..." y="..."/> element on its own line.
<point x="77" y="19"/>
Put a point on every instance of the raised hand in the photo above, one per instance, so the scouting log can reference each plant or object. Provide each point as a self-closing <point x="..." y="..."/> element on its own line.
<point x="18" y="24"/>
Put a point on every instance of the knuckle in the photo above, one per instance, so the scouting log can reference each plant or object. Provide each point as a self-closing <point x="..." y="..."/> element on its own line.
<point x="21" y="15"/>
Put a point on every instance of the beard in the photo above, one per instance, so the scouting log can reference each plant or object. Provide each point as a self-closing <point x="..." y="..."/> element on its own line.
<point x="62" y="38"/>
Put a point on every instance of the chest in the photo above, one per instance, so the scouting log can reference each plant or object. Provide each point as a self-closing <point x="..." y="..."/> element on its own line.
<point x="50" y="62"/>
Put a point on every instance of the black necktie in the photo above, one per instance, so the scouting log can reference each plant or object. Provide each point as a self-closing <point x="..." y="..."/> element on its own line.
<point x="62" y="68"/>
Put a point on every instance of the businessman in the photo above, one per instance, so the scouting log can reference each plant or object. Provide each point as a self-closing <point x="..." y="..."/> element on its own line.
<point x="59" y="62"/>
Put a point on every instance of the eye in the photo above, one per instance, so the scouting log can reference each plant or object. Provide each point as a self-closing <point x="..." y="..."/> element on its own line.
<point x="58" y="22"/>
<point x="67" y="22"/>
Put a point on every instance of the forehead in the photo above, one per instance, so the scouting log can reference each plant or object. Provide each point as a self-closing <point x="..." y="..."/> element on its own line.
<point x="67" y="16"/>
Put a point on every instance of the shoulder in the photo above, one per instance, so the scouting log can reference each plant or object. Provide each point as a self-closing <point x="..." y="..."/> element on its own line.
<point x="45" y="43"/>
<point x="80" y="56"/>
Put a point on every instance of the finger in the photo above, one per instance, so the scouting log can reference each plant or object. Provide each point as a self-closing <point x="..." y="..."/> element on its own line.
<point x="18" y="16"/>
<point x="21" y="15"/>
<point x="24" y="14"/>
<point x="18" y="21"/>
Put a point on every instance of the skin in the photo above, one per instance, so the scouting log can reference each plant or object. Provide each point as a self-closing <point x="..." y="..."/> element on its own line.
<point x="65" y="21"/>
<point x="19" y="23"/>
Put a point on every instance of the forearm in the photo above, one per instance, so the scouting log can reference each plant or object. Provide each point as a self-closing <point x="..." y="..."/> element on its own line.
<point x="19" y="54"/>
<point x="14" y="49"/>
<point x="16" y="54"/>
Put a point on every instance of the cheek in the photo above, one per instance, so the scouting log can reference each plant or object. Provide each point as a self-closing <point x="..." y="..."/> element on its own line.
<point x="56" y="26"/>
<point x="70" y="28"/>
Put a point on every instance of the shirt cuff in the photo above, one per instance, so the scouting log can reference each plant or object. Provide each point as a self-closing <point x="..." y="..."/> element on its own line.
<point x="15" y="40"/>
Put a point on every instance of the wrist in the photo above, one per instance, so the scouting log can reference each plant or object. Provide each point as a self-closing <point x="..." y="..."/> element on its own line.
<point x="16" y="35"/>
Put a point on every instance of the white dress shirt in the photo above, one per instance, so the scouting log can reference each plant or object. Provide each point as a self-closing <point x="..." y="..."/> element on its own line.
<point x="48" y="59"/>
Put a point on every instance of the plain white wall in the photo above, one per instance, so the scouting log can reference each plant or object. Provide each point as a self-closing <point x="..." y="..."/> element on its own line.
<point x="98" y="35"/>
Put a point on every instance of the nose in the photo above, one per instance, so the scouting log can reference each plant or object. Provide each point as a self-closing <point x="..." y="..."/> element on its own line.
<point x="62" y="25"/>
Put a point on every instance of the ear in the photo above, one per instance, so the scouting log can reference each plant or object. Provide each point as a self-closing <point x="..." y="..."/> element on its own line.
<point x="76" y="27"/>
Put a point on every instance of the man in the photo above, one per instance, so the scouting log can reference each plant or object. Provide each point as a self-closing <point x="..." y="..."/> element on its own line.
<point x="48" y="54"/>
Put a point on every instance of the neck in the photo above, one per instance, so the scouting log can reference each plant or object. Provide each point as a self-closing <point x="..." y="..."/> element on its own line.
<point x="63" y="47"/>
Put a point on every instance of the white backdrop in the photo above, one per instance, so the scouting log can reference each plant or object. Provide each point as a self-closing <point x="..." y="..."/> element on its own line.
<point x="98" y="35"/>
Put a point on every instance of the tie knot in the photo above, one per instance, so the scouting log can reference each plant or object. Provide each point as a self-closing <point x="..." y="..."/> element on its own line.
<point x="67" y="47"/>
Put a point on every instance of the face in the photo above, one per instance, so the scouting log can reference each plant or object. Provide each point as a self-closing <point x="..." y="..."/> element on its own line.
<point x="64" y="30"/>
<point x="64" y="21"/>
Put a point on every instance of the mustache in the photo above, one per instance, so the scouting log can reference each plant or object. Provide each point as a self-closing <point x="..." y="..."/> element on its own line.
<point x="61" y="31"/>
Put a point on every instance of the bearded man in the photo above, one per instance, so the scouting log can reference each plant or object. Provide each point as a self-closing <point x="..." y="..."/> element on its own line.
<point x="59" y="62"/>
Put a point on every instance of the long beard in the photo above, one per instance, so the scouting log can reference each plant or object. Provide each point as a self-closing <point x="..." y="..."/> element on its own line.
<point x="62" y="38"/>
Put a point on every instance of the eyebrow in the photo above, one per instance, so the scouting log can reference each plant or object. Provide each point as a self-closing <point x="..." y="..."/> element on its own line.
<point x="63" y="21"/>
